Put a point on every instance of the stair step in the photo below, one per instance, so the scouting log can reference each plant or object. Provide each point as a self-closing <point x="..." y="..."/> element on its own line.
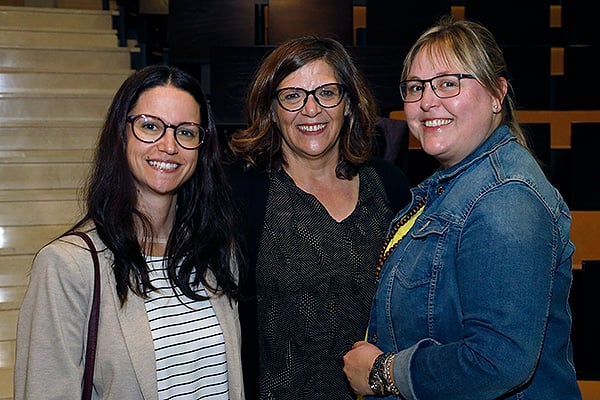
<point x="8" y="325"/>
<point x="8" y="335"/>
<point x="11" y="297"/>
<point x="83" y="4"/>
<point x="6" y="373"/>
<point x="14" y="80"/>
<point x="61" y="38"/>
<point x="74" y="4"/>
<point x="65" y="58"/>
<point x="7" y="358"/>
<point x="38" y="17"/>
<point x="14" y="271"/>
<point x="40" y="213"/>
<point x="7" y="354"/>
<point x="55" y="104"/>
<point x="48" y="134"/>
<point x="46" y="156"/>
<point x="39" y="194"/>
<point x="59" y="70"/>
<point x="27" y="240"/>
<point x="43" y="176"/>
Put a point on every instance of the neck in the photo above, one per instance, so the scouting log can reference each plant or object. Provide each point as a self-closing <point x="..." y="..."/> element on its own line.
<point x="161" y="215"/>
<point x="160" y="240"/>
<point x="312" y="172"/>
<point x="312" y="167"/>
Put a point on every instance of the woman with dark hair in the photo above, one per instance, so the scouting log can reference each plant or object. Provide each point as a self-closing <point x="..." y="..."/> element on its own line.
<point x="159" y="212"/>
<point x="315" y="209"/>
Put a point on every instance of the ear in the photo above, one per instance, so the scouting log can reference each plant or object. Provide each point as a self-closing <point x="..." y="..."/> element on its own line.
<point x="346" y="110"/>
<point x="497" y="102"/>
<point x="273" y="116"/>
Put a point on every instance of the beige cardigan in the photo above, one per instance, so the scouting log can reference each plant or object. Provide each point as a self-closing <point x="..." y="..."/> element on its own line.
<point x="52" y="329"/>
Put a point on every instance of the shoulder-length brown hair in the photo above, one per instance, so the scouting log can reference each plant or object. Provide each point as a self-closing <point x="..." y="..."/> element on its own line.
<point x="259" y="145"/>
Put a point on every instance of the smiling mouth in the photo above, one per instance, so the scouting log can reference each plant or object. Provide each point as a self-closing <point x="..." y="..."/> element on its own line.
<point x="163" y="166"/>
<point x="312" y="128"/>
<point x="430" y="123"/>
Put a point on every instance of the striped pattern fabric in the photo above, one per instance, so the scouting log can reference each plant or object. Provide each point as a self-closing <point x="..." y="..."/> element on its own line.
<point x="188" y="342"/>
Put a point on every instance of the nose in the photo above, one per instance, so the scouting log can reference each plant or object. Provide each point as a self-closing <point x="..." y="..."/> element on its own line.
<point x="167" y="143"/>
<point x="428" y="97"/>
<point x="311" y="107"/>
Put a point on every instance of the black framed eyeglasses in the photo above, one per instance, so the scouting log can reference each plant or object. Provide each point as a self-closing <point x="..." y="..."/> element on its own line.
<point x="444" y="86"/>
<point x="150" y="129"/>
<point x="294" y="98"/>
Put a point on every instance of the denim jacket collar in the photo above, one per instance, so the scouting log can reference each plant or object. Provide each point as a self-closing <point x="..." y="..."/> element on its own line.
<point x="499" y="137"/>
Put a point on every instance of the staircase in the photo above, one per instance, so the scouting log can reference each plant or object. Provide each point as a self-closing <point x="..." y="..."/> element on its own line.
<point x="59" y="68"/>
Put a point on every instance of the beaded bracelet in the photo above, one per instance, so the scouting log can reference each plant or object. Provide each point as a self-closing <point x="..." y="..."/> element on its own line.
<point x="381" y="380"/>
<point x="376" y="379"/>
<point x="388" y="374"/>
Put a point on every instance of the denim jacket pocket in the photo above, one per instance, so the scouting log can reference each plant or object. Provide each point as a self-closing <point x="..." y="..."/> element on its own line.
<point x="421" y="253"/>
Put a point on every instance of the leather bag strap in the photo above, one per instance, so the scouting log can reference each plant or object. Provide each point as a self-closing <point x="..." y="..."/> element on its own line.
<point x="92" y="339"/>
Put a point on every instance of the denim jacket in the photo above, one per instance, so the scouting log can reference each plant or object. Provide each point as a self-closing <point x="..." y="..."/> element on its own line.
<point x="474" y="299"/>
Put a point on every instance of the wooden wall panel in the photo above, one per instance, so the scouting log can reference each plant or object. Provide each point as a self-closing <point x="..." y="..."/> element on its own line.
<point x="399" y="23"/>
<point x="292" y="18"/>
<point x="516" y="22"/>
<point x="194" y="26"/>
<point x="232" y="70"/>
<point x="579" y="23"/>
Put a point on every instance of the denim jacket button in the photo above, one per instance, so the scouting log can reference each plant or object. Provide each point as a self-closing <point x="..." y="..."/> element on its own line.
<point x="440" y="190"/>
<point x="374" y="339"/>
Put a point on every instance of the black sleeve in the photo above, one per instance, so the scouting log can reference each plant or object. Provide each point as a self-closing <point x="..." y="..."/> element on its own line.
<point x="250" y="190"/>
<point x="395" y="183"/>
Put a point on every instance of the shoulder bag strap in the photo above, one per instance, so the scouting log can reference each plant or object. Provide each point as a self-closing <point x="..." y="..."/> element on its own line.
<point x="90" y="353"/>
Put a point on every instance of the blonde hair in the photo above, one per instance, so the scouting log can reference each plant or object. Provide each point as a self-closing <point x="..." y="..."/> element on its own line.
<point x="472" y="46"/>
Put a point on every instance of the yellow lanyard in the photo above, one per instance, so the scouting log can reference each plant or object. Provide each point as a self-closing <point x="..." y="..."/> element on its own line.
<point x="401" y="232"/>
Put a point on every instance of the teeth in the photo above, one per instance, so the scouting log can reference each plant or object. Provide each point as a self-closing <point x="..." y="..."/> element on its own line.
<point x="163" y="165"/>
<point x="437" y="122"/>
<point x="311" y="128"/>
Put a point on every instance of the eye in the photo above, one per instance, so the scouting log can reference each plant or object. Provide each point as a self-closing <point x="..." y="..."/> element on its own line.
<point x="326" y="92"/>
<point x="290" y="95"/>
<point x="149" y="125"/>
<point x="414" y="86"/>
<point x="189" y="131"/>
<point x="448" y="83"/>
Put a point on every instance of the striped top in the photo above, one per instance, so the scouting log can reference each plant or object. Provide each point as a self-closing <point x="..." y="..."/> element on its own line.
<point x="188" y="342"/>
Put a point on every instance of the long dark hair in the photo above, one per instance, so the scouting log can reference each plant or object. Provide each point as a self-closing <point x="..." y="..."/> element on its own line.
<point x="260" y="144"/>
<point x="203" y="236"/>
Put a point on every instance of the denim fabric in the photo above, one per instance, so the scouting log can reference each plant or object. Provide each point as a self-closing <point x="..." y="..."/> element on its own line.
<point x="475" y="298"/>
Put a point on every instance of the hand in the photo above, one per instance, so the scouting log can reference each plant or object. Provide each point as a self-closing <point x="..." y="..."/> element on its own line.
<point x="357" y="365"/>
